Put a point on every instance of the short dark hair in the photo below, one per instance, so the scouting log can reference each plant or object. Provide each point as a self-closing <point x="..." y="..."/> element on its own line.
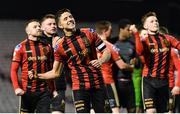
<point x="30" y="21"/>
<point x="143" y="19"/>
<point x="123" y="23"/>
<point x="47" y="16"/>
<point x="102" y="25"/>
<point x="60" y="12"/>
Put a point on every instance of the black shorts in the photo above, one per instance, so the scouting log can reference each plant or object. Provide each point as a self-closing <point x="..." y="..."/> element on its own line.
<point x="112" y="95"/>
<point x="38" y="102"/>
<point x="126" y="94"/>
<point x="58" y="102"/>
<point x="155" y="93"/>
<point x="177" y="104"/>
<point x="83" y="99"/>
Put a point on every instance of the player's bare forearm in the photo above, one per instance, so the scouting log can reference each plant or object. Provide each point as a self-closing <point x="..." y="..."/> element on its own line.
<point x="54" y="73"/>
<point x="124" y="66"/>
<point x="105" y="57"/>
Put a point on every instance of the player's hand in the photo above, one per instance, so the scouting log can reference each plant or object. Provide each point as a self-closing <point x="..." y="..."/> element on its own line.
<point x="133" y="28"/>
<point x="55" y="93"/>
<point x="32" y="74"/>
<point x="133" y="61"/>
<point x="96" y="63"/>
<point x="19" y="92"/>
<point x="175" y="90"/>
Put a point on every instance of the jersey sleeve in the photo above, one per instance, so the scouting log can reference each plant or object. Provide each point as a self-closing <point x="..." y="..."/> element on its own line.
<point x="14" y="74"/>
<point x="114" y="53"/>
<point x="16" y="61"/>
<point x="17" y="53"/>
<point x="94" y="38"/>
<point x="57" y="51"/>
<point x="176" y="61"/>
<point x="138" y="43"/>
<point x="178" y="80"/>
<point x="174" y="42"/>
<point x="99" y="44"/>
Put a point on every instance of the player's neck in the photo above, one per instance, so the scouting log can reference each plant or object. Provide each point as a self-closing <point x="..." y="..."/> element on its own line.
<point x="32" y="38"/>
<point x="152" y="32"/>
<point x="48" y="35"/>
<point x="69" y="33"/>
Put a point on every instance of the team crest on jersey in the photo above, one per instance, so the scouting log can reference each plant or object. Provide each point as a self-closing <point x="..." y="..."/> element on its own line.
<point x="45" y="50"/>
<point x="84" y="52"/>
<point x="166" y="42"/>
<point x="17" y="47"/>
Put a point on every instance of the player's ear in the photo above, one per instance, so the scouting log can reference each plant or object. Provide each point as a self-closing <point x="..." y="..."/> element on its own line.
<point x="145" y="25"/>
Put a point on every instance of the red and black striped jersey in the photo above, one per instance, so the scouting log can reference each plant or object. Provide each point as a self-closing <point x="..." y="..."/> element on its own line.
<point x="60" y="82"/>
<point x="176" y="60"/>
<point x="172" y="68"/>
<point x="156" y="50"/>
<point x="78" y="50"/>
<point x="30" y="55"/>
<point x="106" y="68"/>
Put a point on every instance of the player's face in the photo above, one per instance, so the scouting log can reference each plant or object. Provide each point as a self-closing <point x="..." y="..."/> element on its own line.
<point x="151" y="24"/>
<point x="34" y="29"/>
<point x="125" y="32"/>
<point x="49" y="26"/>
<point x="108" y="33"/>
<point x="67" y="21"/>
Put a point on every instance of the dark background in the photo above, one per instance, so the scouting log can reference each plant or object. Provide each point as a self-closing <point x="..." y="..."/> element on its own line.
<point x="168" y="11"/>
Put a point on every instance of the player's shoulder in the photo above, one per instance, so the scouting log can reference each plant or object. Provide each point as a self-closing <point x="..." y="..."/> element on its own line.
<point x="174" y="50"/>
<point x="87" y="30"/>
<point x="57" y="42"/>
<point x="20" y="45"/>
<point x="168" y="36"/>
<point x="58" y="39"/>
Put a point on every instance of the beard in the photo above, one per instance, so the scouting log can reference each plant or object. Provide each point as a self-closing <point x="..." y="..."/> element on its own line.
<point x="38" y="35"/>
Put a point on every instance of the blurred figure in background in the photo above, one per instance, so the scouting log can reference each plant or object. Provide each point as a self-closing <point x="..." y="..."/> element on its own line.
<point x="103" y="29"/>
<point x="124" y="83"/>
<point x="176" y="89"/>
<point x="174" y="98"/>
<point x="137" y="76"/>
